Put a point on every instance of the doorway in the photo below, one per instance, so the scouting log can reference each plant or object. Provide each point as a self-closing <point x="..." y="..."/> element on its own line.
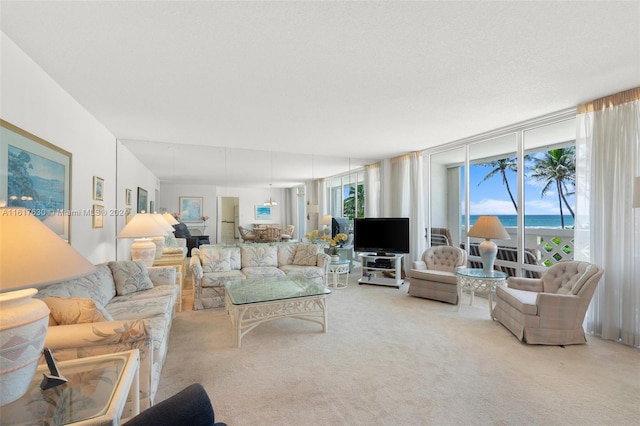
<point x="228" y="220"/>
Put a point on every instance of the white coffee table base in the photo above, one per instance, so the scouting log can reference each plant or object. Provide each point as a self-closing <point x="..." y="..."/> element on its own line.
<point x="480" y="285"/>
<point x="339" y="269"/>
<point x="245" y="318"/>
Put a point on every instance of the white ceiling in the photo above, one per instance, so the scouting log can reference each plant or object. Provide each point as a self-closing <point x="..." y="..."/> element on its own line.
<point x="214" y="92"/>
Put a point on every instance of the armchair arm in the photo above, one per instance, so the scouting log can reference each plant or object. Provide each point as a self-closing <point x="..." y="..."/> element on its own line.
<point x="560" y="311"/>
<point x="100" y="338"/>
<point x="162" y="275"/>
<point x="196" y="268"/>
<point x="418" y="264"/>
<point x="528" y="284"/>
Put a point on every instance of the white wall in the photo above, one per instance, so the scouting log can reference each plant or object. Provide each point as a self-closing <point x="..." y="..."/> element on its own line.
<point x="34" y="102"/>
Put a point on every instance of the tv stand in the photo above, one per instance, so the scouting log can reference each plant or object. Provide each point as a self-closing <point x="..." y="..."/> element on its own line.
<point x="381" y="269"/>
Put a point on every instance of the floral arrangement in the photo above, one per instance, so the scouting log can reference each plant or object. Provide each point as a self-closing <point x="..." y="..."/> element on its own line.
<point x="335" y="242"/>
<point x="313" y="235"/>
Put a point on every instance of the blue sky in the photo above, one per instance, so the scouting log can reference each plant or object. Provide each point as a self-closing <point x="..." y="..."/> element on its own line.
<point x="491" y="197"/>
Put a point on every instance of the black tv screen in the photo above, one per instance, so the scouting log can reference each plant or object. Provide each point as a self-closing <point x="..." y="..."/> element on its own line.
<point x="381" y="235"/>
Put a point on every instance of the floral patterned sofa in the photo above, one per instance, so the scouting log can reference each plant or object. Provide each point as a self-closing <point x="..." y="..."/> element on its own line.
<point x="214" y="265"/>
<point x="122" y="305"/>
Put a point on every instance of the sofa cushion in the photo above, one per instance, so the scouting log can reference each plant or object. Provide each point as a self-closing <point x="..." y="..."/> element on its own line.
<point x="130" y="276"/>
<point x="76" y="310"/>
<point x="215" y="259"/>
<point x="217" y="279"/>
<point x="433" y="275"/>
<point x="522" y="300"/>
<point x="170" y="240"/>
<point x="306" y="254"/>
<point x="262" y="272"/>
<point x="286" y="253"/>
<point x="259" y="255"/>
<point x="98" y="285"/>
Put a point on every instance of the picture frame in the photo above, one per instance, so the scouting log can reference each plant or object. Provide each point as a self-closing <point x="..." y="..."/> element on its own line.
<point x="127" y="197"/>
<point x="142" y="200"/>
<point x="42" y="183"/>
<point x="127" y="216"/>
<point x="263" y="212"/>
<point x="97" y="214"/>
<point x="191" y="209"/>
<point x="98" y="188"/>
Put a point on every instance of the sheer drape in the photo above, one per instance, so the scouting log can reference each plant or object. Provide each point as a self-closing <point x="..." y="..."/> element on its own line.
<point x="373" y="190"/>
<point x="407" y="197"/>
<point x="607" y="226"/>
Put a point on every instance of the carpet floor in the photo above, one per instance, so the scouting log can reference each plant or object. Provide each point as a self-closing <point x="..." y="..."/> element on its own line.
<point x="389" y="358"/>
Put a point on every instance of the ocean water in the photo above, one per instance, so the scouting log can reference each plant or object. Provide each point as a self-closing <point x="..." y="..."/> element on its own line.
<point x="531" y="221"/>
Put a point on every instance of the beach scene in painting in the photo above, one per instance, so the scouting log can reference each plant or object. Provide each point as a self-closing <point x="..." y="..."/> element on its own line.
<point x="35" y="182"/>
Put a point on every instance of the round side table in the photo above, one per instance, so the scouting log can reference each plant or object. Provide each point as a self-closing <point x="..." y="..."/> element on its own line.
<point x="340" y="269"/>
<point x="476" y="280"/>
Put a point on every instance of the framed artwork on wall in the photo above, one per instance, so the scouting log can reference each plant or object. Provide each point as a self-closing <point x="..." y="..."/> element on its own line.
<point x="127" y="197"/>
<point x="98" y="188"/>
<point x="191" y="209"/>
<point x="98" y="216"/>
<point x="36" y="175"/>
<point x="263" y="212"/>
<point x="142" y="200"/>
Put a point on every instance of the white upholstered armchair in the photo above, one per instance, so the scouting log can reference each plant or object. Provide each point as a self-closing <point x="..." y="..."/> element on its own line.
<point x="433" y="277"/>
<point x="548" y="310"/>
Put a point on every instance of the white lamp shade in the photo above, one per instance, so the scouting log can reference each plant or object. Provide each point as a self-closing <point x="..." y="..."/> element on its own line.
<point x="165" y="225"/>
<point x="326" y="220"/>
<point x="488" y="227"/>
<point x="25" y="241"/>
<point x="170" y="219"/>
<point x="313" y="209"/>
<point x="142" y="225"/>
<point x="636" y="192"/>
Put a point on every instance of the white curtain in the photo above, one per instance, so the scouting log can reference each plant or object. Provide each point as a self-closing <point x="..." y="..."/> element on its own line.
<point x="407" y="198"/>
<point x="607" y="228"/>
<point x="373" y="190"/>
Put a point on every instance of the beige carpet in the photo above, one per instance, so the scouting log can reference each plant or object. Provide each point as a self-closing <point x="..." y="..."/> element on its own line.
<point x="389" y="358"/>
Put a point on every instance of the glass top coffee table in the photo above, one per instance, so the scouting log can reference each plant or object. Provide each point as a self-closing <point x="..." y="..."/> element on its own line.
<point x="254" y="301"/>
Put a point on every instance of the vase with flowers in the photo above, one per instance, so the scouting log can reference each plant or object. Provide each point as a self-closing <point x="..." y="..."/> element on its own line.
<point x="334" y="243"/>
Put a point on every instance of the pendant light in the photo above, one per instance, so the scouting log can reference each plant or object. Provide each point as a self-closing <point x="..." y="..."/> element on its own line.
<point x="270" y="202"/>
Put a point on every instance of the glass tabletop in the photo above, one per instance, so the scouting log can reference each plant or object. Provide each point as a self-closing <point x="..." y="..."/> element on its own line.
<point x="255" y="290"/>
<point x="339" y="262"/>
<point x="87" y="394"/>
<point x="479" y="273"/>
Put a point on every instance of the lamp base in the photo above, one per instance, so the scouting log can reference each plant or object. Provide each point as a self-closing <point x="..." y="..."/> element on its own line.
<point x="143" y="249"/>
<point x="24" y="323"/>
<point x="159" y="242"/>
<point x="488" y="251"/>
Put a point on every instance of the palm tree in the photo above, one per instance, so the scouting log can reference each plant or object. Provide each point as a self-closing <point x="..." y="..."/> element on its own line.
<point x="501" y="166"/>
<point x="349" y="207"/>
<point x="557" y="169"/>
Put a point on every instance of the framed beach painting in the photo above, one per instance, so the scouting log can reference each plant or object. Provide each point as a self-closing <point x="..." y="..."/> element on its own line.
<point x="98" y="188"/>
<point x="36" y="175"/>
<point x="142" y="200"/>
<point x="263" y="212"/>
<point x="127" y="197"/>
<point x="191" y="209"/>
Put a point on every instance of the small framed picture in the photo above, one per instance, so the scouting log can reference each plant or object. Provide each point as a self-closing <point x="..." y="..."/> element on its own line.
<point x="127" y="216"/>
<point x="127" y="197"/>
<point x="142" y="200"/>
<point x="98" y="188"/>
<point x="98" y="216"/>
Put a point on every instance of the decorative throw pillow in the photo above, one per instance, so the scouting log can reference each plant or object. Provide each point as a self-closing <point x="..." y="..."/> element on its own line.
<point x="306" y="255"/>
<point x="130" y="276"/>
<point x="215" y="260"/>
<point x="76" y="310"/>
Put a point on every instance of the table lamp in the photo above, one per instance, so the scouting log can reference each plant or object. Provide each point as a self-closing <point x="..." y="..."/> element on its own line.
<point x="159" y="241"/>
<point x="488" y="227"/>
<point x="30" y="254"/>
<point x="142" y="227"/>
<point x="170" y="219"/>
<point x="326" y="221"/>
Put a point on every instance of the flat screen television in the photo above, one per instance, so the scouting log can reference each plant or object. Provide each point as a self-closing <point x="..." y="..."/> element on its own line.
<point x="384" y="235"/>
